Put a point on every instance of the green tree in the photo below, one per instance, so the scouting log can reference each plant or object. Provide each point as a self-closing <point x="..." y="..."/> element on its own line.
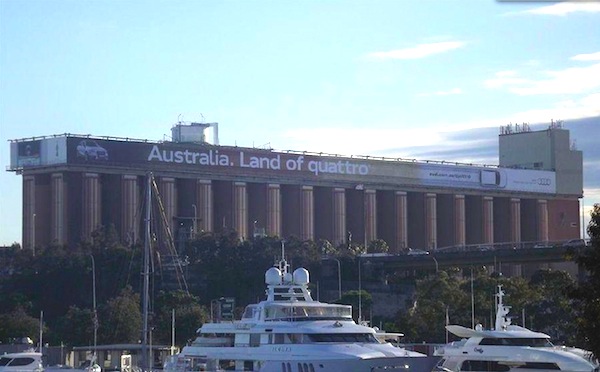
<point x="326" y="248"/>
<point x="378" y="246"/>
<point x="76" y="327"/>
<point x="121" y="318"/>
<point x="587" y="293"/>
<point x="18" y="323"/>
<point x="426" y="316"/>
<point x="552" y="312"/>
<point x="189" y="316"/>
<point x="356" y="299"/>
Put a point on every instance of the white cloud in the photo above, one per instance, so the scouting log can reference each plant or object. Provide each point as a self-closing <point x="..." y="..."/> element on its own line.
<point x="506" y="73"/>
<point x="593" y="195"/>
<point x="587" y="57"/>
<point x="442" y="93"/>
<point x="565" y="8"/>
<point x="574" y="80"/>
<point x="588" y="106"/>
<point x="358" y="141"/>
<point x="532" y="63"/>
<point x="419" y="51"/>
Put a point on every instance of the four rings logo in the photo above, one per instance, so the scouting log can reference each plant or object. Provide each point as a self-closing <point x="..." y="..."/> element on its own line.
<point x="544" y="181"/>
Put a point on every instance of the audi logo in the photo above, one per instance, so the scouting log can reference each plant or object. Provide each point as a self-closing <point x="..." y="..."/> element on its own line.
<point x="544" y="181"/>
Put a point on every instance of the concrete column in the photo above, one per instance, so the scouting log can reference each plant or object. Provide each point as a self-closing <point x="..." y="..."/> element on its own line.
<point x="431" y="220"/>
<point x="401" y="221"/>
<point x="130" y="209"/>
<point x="370" y="215"/>
<point x="488" y="219"/>
<point x="58" y="209"/>
<point x="339" y="216"/>
<point x="91" y="206"/>
<point x="204" y="206"/>
<point x="308" y="213"/>
<point x="273" y="210"/>
<point x="515" y="219"/>
<point x="240" y="209"/>
<point x="515" y="233"/>
<point x="460" y="230"/>
<point x="29" y="221"/>
<point x="542" y="205"/>
<point x="168" y="195"/>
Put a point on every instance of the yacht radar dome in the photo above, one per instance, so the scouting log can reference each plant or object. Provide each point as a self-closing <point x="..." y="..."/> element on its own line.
<point x="273" y="276"/>
<point x="287" y="278"/>
<point x="301" y="276"/>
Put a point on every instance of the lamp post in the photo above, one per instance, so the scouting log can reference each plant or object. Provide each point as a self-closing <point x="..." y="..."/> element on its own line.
<point x="33" y="235"/>
<point x="359" y="292"/>
<point x="194" y="221"/>
<point x="472" y="302"/>
<point x="94" y="304"/>
<point x="436" y="263"/>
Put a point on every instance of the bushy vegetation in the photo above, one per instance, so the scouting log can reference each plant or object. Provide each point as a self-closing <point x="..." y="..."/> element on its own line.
<point x="587" y="293"/>
<point x="58" y="281"/>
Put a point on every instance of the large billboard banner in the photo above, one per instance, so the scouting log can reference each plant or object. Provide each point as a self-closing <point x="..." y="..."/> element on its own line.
<point x="236" y="161"/>
<point x="35" y="153"/>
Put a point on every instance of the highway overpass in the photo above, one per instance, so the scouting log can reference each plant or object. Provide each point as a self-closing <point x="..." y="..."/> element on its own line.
<point x="476" y="256"/>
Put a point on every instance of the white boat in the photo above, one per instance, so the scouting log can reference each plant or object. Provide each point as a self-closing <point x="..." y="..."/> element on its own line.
<point x="291" y="332"/>
<point x="509" y="348"/>
<point x="25" y="361"/>
<point x="33" y="361"/>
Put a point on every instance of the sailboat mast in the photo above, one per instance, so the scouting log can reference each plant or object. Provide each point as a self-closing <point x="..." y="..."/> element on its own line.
<point x="146" y="273"/>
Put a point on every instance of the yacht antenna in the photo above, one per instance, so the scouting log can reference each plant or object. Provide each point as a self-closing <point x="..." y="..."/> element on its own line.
<point x="41" y="331"/>
<point x="502" y="321"/>
<point x="95" y="311"/>
<point x="283" y="265"/>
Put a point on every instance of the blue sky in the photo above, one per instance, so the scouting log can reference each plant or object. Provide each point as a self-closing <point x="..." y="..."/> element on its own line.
<point x="430" y="79"/>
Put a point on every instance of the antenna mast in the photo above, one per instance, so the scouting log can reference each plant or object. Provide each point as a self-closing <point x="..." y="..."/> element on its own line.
<point x="146" y="273"/>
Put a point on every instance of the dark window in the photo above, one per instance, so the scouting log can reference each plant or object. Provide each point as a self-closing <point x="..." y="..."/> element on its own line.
<point x="4" y="361"/>
<point x="483" y="365"/>
<point x="254" y="339"/>
<point x="343" y="337"/>
<point x="278" y="338"/>
<point x="491" y="341"/>
<point x="540" y="365"/>
<point x="21" y="362"/>
<point x="533" y="342"/>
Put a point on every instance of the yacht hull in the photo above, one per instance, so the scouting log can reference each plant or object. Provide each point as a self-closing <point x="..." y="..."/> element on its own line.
<point x="422" y="364"/>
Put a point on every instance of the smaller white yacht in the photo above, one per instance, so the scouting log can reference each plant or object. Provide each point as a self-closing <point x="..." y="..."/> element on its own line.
<point x="291" y="332"/>
<point x="509" y="348"/>
<point x="25" y="361"/>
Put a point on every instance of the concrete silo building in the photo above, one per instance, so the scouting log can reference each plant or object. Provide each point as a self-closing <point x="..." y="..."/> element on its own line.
<point x="74" y="184"/>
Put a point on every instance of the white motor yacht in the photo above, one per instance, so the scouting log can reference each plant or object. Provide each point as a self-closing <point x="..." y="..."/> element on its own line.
<point x="291" y="332"/>
<point x="33" y="361"/>
<point x="25" y="361"/>
<point x="509" y="348"/>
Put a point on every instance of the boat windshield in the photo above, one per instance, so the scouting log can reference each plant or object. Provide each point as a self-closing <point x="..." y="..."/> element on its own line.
<point x="301" y="312"/>
<point x="312" y="338"/>
<point x="344" y="338"/>
<point x="532" y="342"/>
<point x="15" y="362"/>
